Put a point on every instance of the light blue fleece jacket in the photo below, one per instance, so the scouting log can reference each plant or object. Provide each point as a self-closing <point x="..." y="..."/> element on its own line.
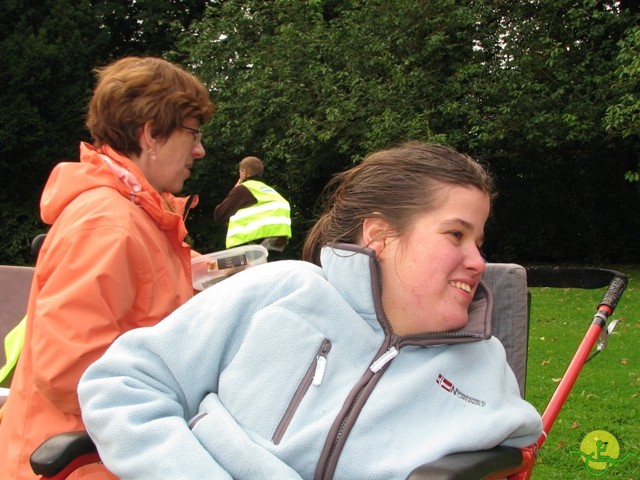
<point x="232" y="384"/>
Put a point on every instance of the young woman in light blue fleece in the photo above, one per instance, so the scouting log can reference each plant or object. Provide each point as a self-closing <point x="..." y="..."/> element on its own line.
<point x="370" y="358"/>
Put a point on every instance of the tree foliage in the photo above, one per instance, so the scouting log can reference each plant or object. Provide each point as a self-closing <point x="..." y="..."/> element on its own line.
<point x="623" y="117"/>
<point x="46" y="50"/>
<point x="523" y="86"/>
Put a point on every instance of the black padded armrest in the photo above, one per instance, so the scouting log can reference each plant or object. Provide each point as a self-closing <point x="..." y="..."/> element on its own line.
<point x="569" y="277"/>
<point x="470" y="465"/>
<point x="58" y="451"/>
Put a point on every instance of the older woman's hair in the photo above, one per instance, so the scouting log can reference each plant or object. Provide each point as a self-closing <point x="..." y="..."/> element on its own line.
<point x="397" y="185"/>
<point x="135" y="90"/>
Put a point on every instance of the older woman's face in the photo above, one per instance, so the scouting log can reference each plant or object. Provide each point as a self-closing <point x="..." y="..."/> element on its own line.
<point x="430" y="273"/>
<point x="174" y="158"/>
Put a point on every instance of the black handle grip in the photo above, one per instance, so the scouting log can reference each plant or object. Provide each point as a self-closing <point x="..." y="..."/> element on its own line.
<point x="614" y="292"/>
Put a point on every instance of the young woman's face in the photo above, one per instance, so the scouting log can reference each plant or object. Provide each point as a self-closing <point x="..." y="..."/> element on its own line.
<point x="174" y="158"/>
<point x="430" y="273"/>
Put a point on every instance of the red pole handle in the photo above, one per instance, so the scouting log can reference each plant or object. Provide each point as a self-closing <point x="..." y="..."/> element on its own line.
<point x="606" y="306"/>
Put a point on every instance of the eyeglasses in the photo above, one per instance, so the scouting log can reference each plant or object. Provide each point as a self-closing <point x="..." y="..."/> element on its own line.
<point x="197" y="134"/>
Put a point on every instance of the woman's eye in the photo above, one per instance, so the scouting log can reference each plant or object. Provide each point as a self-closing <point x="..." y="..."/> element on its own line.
<point x="457" y="235"/>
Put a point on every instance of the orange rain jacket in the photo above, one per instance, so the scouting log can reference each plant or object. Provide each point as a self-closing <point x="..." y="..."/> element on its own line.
<point x="114" y="259"/>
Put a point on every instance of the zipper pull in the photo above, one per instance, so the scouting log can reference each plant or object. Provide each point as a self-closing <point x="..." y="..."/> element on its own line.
<point x="321" y="364"/>
<point x="384" y="359"/>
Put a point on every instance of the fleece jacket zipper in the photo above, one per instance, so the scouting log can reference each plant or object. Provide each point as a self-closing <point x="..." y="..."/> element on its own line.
<point x="349" y="414"/>
<point x="313" y="376"/>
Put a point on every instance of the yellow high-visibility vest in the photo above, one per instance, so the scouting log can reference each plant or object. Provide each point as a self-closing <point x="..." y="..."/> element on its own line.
<point x="270" y="216"/>
<point x="13" y="346"/>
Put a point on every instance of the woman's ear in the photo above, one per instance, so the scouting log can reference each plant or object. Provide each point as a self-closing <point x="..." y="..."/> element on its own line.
<point x="376" y="232"/>
<point x="147" y="140"/>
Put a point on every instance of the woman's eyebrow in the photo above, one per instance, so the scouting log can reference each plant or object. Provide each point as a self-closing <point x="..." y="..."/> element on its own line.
<point x="458" y="221"/>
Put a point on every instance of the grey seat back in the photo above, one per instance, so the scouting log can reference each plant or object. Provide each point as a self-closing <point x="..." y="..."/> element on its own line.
<point x="508" y="283"/>
<point x="15" y="284"/>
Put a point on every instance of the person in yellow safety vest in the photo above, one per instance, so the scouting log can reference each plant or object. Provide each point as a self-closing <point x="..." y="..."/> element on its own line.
<point x="12" y="347"/>
<point x="256" y="212"/>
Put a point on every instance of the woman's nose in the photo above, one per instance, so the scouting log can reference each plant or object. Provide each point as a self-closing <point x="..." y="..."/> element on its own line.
<point x="198" y="150"/>
<point x="475" y="260"/>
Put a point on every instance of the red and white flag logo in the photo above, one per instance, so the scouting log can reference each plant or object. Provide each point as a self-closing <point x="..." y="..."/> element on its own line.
<point x="444" y="383"/>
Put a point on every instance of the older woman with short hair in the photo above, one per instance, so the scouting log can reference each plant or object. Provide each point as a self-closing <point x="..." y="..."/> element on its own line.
<point x="115" y="257"/>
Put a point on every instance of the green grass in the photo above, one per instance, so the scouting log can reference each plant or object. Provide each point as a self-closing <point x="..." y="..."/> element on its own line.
<point x="606" y="394"/>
